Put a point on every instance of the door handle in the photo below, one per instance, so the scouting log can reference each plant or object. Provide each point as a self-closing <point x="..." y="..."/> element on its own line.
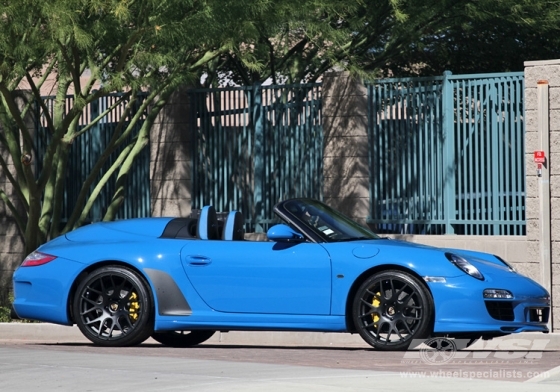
<point x="198" y="261"/>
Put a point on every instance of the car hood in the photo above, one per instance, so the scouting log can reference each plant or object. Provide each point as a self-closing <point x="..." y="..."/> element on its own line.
<point x="467" y="254"/>
<point x="425" y="258"/>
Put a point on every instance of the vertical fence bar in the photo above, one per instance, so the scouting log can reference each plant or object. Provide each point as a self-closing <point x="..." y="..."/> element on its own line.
<point x="477" y="164"/>
<point x="520" y="113"/>
<point x="449" y="151"/>
<point x="495" y="157"/>
<point x="461" y="195"/>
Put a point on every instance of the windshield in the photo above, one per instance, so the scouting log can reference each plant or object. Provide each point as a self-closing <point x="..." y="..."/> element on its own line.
<point x="325" y="222"/>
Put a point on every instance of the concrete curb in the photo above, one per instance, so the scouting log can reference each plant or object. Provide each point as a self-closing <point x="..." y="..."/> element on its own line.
<point x="52" y="333"/>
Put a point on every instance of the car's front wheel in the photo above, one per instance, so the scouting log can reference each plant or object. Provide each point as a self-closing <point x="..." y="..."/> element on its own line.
<point x="113" y="307"/>
<point x="391" y="309"/>
<point x="183" y="338"/>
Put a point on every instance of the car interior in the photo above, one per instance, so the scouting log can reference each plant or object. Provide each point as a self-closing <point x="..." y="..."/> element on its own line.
<point x="206" y="224"/>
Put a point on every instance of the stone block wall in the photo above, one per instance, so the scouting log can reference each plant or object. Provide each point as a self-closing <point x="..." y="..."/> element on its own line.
<point x="345" y="165"/>
<point x="170" y="159"/>
<point x="547" y="73"/>
<point x="12" y="249"/>
<point x="11" y="240"/>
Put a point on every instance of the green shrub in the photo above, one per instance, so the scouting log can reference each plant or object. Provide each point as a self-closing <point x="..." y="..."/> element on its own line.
<point x="5" y="310"/>
<point x="5" y="315"/>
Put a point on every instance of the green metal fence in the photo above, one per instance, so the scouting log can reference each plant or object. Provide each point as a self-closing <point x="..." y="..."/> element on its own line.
<point x="255" y="146"/>
<point x="447" y="155"/>
<point x="85" y="152"/>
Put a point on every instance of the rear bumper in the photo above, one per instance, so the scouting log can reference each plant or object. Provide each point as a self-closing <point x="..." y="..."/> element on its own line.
<point x="41" y="292"/>
<point x="13" y="314"/>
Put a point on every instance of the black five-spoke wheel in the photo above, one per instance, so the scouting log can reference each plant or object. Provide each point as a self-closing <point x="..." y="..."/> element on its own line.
<point x="183" y="338"/>
<point x="391" y="309"/>
<point x="113" y="307"/>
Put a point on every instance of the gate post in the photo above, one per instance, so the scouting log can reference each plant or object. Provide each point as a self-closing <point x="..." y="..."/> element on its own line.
<point x="544" y="186"/>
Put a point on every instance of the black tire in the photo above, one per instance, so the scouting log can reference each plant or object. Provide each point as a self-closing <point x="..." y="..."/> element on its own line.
<point x="183" y="338"/>
<point x="391" y="309"/>
<point x="113" y="307"/>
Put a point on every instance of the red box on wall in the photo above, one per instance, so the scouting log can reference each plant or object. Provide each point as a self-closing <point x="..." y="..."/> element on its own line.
<point x="539" y="157"/>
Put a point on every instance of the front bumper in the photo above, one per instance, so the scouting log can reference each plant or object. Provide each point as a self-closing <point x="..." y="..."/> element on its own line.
<point x="461" y="307"/>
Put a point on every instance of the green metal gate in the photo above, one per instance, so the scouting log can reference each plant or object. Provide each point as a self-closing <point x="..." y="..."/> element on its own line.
<point x="255" y="146"/>
<point x="86" y="150"/>
<point x="447" y="155"/>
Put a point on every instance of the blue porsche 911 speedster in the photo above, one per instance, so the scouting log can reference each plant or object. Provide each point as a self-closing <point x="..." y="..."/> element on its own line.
<point x="179" y="280"/>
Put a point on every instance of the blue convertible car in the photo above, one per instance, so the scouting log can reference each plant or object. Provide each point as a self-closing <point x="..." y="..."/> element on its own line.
<point x="179" y="280"/>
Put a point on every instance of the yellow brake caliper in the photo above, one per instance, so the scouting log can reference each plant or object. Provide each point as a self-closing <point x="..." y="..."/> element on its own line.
<point x="134" y="306"/>
<point x="375" y="303"/>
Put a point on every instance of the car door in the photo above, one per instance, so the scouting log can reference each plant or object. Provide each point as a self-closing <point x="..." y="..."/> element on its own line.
<point x="260" y="277"/>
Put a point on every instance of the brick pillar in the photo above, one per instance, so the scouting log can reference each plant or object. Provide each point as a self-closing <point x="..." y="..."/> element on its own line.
<point x="346" y="171"/>
<point x="12" y="248"/>
<point x="11" y="241"/>
<point x="170" y="159"/>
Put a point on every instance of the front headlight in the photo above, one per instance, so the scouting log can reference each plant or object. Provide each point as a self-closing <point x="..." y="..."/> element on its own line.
<point x="506" y="263"/>
<point x="464" y="266"/>
<point x="497" y="294"/>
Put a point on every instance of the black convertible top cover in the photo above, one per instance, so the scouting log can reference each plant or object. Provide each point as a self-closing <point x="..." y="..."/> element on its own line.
<point x="180" y="228"/>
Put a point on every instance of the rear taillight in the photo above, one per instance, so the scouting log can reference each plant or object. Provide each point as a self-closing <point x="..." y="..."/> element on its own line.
<point x="37" y="258"/>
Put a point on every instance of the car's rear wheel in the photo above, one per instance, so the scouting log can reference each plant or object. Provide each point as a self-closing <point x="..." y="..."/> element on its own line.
<point x="183" y="338"/>
<point x="391" y="309"/>
<point x="113" y="307"/>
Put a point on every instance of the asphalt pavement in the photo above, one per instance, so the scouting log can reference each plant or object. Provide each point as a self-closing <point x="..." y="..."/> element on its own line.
<point x="49" y="357"/>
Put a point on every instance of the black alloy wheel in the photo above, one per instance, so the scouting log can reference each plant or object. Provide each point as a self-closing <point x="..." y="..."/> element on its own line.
<point x="113" y="307"/>
<point x="183" y="338"/>
<point x="391" y="309"/>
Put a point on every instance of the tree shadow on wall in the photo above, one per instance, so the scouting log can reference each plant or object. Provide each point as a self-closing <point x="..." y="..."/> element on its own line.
<point x="346" y="167"/>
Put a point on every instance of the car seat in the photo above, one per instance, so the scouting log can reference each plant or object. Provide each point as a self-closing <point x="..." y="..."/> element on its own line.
<point x="233" y="227"/>
<point x="207" y="227"/>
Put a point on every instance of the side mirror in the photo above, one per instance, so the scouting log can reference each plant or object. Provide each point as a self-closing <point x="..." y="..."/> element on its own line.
<point x="280" y="233"/>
